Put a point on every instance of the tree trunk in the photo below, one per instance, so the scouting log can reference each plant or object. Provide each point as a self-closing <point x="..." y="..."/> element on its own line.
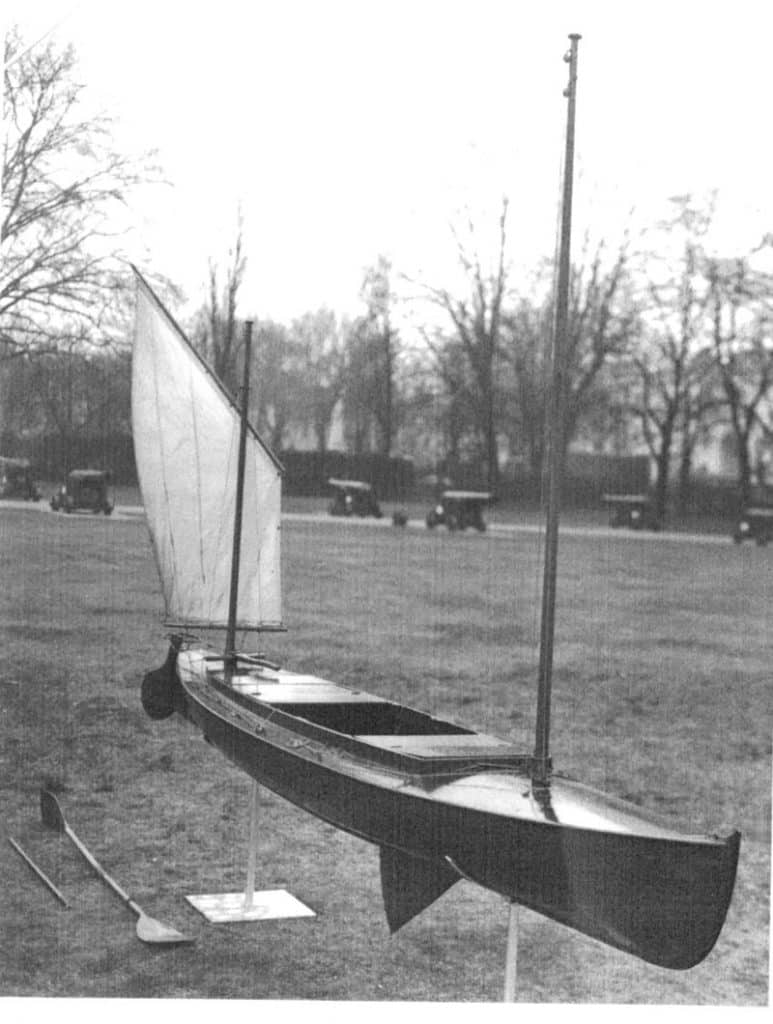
<point x="744" y="470"/>
<point x="388" y="396"/>
<point x="685" y="476"/>
<point x="662" y="463"/>
<point x="492" y="452"/>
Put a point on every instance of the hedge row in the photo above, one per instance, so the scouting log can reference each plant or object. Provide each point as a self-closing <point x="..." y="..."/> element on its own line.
<point x="587" y="476"/>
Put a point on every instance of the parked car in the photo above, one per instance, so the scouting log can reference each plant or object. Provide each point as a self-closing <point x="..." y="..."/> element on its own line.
<point x="16" y="479"/>
<point x="353" y="498"/>
<point x="636" y="511"/>
<point x="85" y="490"/>
<point x="459" y="509"/>
<point x="755" y="522"/>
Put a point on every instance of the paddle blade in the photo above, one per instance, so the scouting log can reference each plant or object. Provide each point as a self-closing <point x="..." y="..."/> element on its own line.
<point x="50" y="811"/>
<point x="154" y="932"/>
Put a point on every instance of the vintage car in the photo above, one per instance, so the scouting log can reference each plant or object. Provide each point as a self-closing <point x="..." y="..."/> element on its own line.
<point x="755" y="522"/>
<point x="636" y="511"/>
<point x="459" y="509"/>
<point x="16" y="479"/>
<point x="353" y="498"/>
<point x="85" y="490"/>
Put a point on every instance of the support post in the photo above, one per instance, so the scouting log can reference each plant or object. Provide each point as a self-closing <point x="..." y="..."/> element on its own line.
<point x="511" y="960"/>
<point x="252" y="852"/>
<point x="248" y="905"/>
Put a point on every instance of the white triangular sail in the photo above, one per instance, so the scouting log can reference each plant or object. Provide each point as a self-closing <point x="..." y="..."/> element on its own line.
<point x="186" y="442"/>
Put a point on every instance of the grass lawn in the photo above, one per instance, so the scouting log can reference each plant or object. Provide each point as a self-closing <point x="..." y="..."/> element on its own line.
<point x="661" y="695"/>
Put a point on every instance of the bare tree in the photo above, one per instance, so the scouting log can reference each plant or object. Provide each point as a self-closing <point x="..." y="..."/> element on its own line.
<point x="359" y="388"/>
<point x="676" y="393"/>
<point x="602" y="326"/>
<point x="456" y="414"/>
<point x="70" y="395"/>
<point x="63" y="187"/>
<point x="702" y="410"/>
<point x="477" y="321"/>
<point x="382" y="344"/>
<point x="278" y="380"/>
<point x="669" y="372"/>
<point x="742" y="339"/>
<point x="424" y="410"/>
<point x="526" y="354"/>
<point x="319" y="341"/>
<point x="219" y="334"/>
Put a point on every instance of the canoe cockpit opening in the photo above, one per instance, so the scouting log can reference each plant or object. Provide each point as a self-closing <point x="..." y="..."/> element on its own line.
<point x="365" y="718"/>
<point x="328" y="705"/>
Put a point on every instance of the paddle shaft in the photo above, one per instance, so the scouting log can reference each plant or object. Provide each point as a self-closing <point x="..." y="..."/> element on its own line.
<point x="84" y="852"/>
<point x="41" y="875"/>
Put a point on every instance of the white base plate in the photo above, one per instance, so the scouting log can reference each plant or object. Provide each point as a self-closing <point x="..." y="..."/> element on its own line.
<point x="269" y="904"/>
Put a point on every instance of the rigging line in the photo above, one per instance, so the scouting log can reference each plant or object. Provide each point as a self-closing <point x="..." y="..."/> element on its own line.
<point x="225" y="535"/>
<point x="225" y="396"/>
<point x="199" y="485"/>
<point x="259" y="563"/>
<point x="167" y="502"/>
<point x="260" y="524"/>
<point x="160" y="432"/>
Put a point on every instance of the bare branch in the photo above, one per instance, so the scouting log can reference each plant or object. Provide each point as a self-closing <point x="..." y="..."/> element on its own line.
<point x="63" y="187"/>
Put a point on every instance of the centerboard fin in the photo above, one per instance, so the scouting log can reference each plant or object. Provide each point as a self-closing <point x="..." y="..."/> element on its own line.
<point x="410" y="884"/>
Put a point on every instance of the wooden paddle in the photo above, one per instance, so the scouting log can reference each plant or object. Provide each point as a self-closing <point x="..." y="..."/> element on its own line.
<point x="148" y="929"/>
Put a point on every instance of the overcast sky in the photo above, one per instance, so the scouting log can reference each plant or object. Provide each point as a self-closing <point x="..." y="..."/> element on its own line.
<point x="345" y="129"/>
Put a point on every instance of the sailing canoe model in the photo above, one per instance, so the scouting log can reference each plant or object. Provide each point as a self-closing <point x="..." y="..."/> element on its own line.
<point x="441" y="802"/>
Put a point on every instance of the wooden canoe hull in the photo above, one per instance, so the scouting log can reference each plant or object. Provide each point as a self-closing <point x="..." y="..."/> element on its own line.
<point x="588" y="861"/>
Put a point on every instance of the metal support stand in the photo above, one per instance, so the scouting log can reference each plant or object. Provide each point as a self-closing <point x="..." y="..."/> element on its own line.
<point x="252" y="852"/>
<point x="269" y="904"/>
<point x="511" y="960"/>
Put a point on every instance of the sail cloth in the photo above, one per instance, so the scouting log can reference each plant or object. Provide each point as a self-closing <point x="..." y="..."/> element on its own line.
<point x="186" y="444"/>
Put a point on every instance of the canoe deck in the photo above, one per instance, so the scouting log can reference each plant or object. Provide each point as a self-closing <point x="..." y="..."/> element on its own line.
<point x="386" y="732"/>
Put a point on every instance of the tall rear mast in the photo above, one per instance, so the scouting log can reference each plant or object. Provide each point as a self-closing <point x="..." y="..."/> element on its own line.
<point x="554" y="440"/>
